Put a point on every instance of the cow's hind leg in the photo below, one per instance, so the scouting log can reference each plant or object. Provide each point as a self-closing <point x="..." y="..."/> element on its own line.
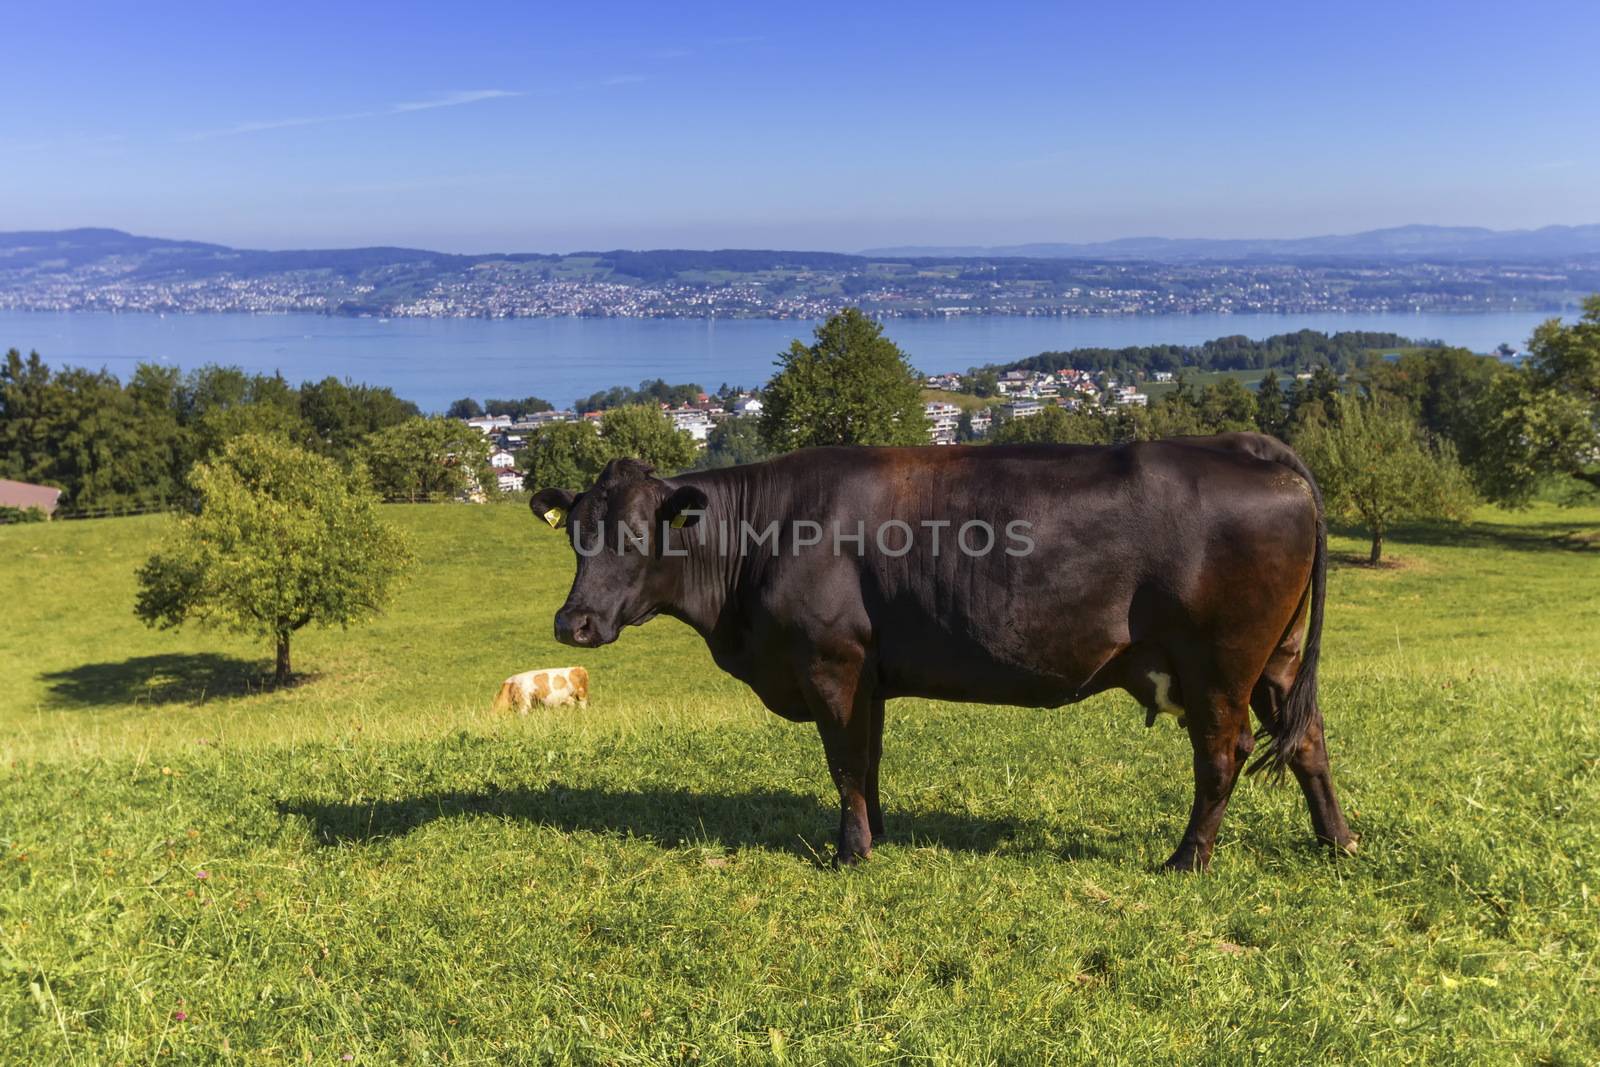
<point x="1219" y="730"/>
<point x="1309" y="763"/>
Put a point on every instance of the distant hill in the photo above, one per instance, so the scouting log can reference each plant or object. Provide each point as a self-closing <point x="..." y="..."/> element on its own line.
<point x="1411" y="269"/>
<point x="1400" y="242"/>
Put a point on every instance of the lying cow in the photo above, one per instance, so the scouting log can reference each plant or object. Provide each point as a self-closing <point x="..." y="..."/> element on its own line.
<point x="1190" y="573"/>
<point x="551" y="687"/>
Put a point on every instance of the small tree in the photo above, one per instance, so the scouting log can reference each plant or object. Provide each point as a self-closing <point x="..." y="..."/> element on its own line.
<point x="643" y="431"/>
<point x="570" y="455"/>
<point x="563" y="455"/>
<point x="852" y="386"/>
<point x="732" y="442"/>
<point x="428" y="457"/>
<point x="1375" y="467"/>
<point x="282" y="538"/>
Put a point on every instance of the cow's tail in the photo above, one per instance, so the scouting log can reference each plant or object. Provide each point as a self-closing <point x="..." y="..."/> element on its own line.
<point x="1299" y="710"/>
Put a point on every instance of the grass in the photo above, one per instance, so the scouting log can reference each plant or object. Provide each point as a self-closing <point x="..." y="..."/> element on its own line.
<point x="194" y="869"/>
<point x="1200" y="379"/>
<point x="964" y="401"/>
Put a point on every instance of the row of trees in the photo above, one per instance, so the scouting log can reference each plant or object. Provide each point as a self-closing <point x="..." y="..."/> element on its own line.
<point x="1303" y="350"/>
<point x="107" y="444"/>
<point x="468" y="408"/>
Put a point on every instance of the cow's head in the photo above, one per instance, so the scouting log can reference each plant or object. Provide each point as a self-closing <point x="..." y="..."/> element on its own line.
<point x="622" y="580"/>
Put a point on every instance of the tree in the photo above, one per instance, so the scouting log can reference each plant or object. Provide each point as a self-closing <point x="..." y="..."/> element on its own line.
<point x="643" y="431"/>
<point x="1227" y="407"/>
<point x="428" y="456"/>
<point x="731" y="442"/>
<point x="220" y="403"/>
<point x="79" y="430"/>
<point x="983" y="382"/>
<point x="1051" y="425"/>
<point x="851" y="386"/>
<point x="465" y="408"/>
<point x="1544" y="420"/>
<point x="1375" y="467"/>
<point x="281" y="539"/>
<point x="564" y="455"/>
<point x="339" y="415"/>
<point x="1271" y="418"/>
<point x="1313" y="398"/>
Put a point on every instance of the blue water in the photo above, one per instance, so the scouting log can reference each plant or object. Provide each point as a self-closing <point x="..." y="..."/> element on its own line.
<point x="434" y="361"/>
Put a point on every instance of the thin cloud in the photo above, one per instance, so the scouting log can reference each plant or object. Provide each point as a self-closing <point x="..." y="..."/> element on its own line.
<point x="456" y="99"/>
<point x="471" y="96"/>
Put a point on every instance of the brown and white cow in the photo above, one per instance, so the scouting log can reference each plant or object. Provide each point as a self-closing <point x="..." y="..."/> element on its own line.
<point x="550" y="686"/>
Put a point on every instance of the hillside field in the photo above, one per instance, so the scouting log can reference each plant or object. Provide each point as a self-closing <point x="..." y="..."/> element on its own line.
<point x="371" y="868"/>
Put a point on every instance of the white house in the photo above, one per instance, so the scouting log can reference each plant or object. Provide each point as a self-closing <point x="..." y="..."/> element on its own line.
<point x="747" y="405"/>
<point x="943" y="421"/>
<point x="509" y="480"/>
<point x="502" y="460"/>
<point x="692" y="421"/>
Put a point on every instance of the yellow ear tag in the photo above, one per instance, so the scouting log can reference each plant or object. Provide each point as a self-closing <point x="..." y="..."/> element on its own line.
<point x="554" y="517"/>
<point x="678" y="520"/>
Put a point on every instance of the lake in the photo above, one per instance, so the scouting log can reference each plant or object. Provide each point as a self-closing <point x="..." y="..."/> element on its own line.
<point x="434" y="361"/>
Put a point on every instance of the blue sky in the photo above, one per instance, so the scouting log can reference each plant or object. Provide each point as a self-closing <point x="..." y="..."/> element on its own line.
<point x="529" y="127"/>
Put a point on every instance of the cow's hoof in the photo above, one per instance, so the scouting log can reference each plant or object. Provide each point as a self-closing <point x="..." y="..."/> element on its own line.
<point x="849" y="858"/>
<point x="1184" y="861"/>
<point x="1346" y="846"/>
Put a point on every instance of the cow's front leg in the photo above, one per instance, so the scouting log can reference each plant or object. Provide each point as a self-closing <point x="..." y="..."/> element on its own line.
<point x="848" y="746"/>
<point x="874" y="758"/>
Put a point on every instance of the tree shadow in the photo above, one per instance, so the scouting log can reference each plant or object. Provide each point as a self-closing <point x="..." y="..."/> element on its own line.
<point x="775" y="819"/>
<point x="1523" y="537"/>
<point x="175" y="678"/>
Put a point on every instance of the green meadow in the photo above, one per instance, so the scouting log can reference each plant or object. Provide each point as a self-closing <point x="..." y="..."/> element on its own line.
<point x="370" y="867"/>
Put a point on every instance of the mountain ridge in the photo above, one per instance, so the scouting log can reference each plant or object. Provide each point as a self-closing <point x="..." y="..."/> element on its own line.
<point x="1411" y="242"/>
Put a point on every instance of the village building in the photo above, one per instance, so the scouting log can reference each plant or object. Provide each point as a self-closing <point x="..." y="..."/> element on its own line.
<point x="944" y="420"/>
<point x="25" y="495"/>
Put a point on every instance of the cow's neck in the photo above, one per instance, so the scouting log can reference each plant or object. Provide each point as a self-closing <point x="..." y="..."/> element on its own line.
<point x="708" y="577"/>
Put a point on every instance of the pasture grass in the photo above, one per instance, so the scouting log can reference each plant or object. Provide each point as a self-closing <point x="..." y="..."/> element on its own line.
<point x="196" y="868"/>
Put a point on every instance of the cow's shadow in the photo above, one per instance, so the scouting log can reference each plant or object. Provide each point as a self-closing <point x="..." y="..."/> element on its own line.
<point x="773" y="819"/>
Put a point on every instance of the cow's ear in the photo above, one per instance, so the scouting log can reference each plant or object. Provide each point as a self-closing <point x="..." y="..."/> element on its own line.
<point x="552" y="505"/>
<point x="684" y="506"/>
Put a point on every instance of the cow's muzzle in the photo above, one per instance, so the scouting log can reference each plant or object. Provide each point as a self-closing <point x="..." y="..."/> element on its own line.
<point x="582" y="629"/>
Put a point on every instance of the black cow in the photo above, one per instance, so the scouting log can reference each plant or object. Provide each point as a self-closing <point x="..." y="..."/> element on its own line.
<point x="1185" y="572"/>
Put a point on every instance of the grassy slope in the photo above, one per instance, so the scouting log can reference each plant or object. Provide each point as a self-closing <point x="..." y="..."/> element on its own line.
<point x="394" y="873"/>
<point x="965" y="401"/>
